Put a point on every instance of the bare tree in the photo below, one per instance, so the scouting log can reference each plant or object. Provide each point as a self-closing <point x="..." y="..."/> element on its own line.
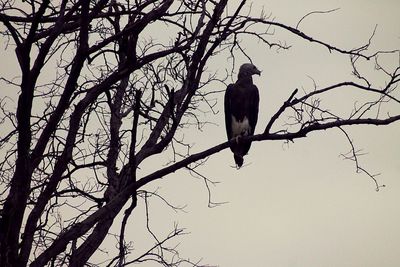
<point x="98" y="94"/>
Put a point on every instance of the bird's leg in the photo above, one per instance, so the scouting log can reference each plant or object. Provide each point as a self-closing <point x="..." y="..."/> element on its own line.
<point x="237" y="138"/>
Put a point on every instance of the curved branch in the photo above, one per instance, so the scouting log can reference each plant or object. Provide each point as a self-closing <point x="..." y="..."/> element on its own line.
<point x="260" y="137"/>
<point x="315" y="12"/>
<point x="353" y="52"/>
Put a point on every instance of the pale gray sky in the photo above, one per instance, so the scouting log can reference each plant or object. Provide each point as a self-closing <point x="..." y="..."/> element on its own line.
<point x="299" y="204"/>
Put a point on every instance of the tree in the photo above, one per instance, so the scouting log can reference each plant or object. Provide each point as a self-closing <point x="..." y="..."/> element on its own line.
<point x="100" y="91"/>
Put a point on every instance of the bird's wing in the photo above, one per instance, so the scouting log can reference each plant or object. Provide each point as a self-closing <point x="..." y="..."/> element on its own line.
<point x="254" y="103"/>
<point x="228" y="111"/>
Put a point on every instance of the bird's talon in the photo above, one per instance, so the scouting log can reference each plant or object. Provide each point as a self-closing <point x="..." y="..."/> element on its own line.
<point x="237" y="138"/>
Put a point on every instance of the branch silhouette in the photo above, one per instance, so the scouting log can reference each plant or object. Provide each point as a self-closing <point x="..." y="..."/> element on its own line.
<point x="96" y="94"/>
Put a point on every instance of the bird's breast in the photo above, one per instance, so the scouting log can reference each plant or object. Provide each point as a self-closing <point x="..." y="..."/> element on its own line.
<point x="240" y="127"/>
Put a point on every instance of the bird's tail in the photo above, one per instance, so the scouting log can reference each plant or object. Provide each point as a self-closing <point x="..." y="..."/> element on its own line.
<point x="238" y="160"/>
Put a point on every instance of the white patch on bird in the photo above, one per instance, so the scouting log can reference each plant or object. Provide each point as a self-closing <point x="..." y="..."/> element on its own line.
<point x="240" y="127"/>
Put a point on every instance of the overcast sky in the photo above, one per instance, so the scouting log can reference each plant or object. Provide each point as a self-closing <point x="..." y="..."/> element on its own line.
<point x="299" y="204"/>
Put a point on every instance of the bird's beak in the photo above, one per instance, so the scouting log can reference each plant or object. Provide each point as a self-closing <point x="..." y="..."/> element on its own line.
<point x="258" y="72"/>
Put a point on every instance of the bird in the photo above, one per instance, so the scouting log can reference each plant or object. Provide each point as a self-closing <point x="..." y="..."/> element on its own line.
<point x="241" y="102"/>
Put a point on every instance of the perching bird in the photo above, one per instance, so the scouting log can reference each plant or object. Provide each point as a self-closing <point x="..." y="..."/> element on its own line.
<point x="241" y="110"/>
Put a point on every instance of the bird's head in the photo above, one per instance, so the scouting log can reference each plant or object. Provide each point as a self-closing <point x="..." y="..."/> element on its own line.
<point x="247" y="70"/>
